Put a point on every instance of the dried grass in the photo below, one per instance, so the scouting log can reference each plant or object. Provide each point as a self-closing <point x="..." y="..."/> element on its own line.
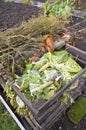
<point x="28" y="34"/>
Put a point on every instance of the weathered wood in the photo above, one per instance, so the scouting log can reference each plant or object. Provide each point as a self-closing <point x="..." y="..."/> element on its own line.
<point x="78" y="26"/>
<point x="2" y="82"/>
<point x="52" y="118"/>
<point x="30" y="122"/>
<point x="79" y="14"/>
<point x="76" y="52"/>
<point x="45" y="114"/>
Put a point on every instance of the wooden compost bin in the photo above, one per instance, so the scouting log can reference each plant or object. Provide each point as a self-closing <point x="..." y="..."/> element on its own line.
<point x="47" y="113"/>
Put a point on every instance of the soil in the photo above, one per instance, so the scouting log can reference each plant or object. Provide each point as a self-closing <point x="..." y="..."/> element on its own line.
<point x="12" y="15"/>
<point x="65" y="124"/>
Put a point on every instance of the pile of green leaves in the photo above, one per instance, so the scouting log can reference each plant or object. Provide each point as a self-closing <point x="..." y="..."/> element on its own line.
<point x="58" y="66"/>
<point x="6" y="121"/>
<point x="43" y="78"/>
<point x="59" y="8"/>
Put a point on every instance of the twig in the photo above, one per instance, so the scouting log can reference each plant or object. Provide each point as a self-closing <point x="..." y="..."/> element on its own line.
<point x="44" y="67"/>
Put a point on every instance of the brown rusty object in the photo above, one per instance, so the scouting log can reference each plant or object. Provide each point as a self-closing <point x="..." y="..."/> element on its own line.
<point x="49" y="42"/>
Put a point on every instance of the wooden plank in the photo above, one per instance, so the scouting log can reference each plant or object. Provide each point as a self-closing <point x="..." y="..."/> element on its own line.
<point x="2" y="82"/>
<point x="76" y="52"/>
<point x="52" y="118"/>
<point x="30" y="122"/>
<point x="44" y="115"/>
<point x="78" y="26"/>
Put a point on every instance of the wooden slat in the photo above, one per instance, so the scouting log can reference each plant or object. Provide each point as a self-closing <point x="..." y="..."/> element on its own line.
<point x="76" y="52"/>
<point x="44" y="115"/>
<point x="30" y="122"/>
<point x="2" y="82"/>
<point x="79" y="25"/>
<point x="50" y="121"/>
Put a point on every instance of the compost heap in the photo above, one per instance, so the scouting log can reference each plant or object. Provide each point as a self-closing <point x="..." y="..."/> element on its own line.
<point x="18" y="44"/>
<point x="43" y="78"/>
